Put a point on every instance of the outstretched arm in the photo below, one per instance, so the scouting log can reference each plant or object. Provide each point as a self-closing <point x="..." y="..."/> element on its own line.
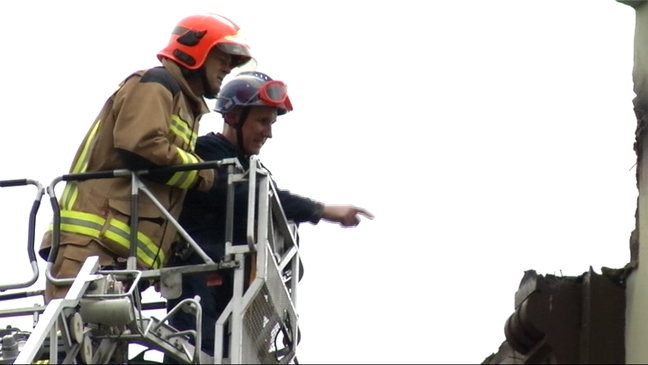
<point x="346" y="215"/>
<point x="302" y="209"/>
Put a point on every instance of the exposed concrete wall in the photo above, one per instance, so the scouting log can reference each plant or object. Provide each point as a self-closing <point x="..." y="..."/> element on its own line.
<point x="637" y="284"/>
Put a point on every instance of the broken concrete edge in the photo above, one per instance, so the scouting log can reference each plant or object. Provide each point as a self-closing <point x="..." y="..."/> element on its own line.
<point x="531" y="340"/>
<point x="633" y="3"/>
<point x="529" y="282"/>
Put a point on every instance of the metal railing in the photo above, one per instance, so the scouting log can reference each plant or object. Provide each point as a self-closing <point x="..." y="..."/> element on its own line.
<point x="136" y="186"/>
<point x="30" y="236"/>
<point x="258" y="313"/>
<point x="271" y="239"/>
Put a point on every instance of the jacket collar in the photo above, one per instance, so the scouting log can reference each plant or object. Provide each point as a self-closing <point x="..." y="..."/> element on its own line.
<point x="198" y="101"/>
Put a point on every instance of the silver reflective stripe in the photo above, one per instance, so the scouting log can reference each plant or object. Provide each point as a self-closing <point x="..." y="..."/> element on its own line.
<point x="126" y="236"/>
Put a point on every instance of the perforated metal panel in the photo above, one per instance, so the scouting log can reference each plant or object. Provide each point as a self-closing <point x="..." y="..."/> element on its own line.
<point x="269" y="312"/>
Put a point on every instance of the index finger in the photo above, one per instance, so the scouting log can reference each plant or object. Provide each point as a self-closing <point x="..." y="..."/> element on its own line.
<point x="365" y="213"/>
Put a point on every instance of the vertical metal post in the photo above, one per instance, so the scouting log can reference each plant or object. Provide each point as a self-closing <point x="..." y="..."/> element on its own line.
<point x="221" y="327"/>
<point x="134" y="218"/>
<point x="56" y="223"/>
<point x="53" y="350"/>
<point x="236" y="321"/>
<point x="294" y="281"/>
<point x="218" y="343"/>
<point x="263" y="220"/>
<point x="295" y="278"/>
<point x="36" y="316"/>
<point x="229" y="213"/>
<point x="252" y="177"/>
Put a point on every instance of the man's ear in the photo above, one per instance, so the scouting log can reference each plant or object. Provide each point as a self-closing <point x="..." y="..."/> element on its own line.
<point x="232" y="117"/>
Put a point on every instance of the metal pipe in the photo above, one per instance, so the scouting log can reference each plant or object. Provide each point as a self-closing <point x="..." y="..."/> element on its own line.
<point x="229" y="213"/>
<point x="30" y="232"/>
<point x="134" y="219"/>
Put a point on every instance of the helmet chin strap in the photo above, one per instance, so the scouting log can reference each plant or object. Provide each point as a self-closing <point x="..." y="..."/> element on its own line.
<point x="202" y="75"/>
<point x="207" y="93"/>
<point x="238" y="126"/>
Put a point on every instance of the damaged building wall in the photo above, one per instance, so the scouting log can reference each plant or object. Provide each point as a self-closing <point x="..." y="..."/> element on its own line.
<point x="592" y="319"/>
<point x="565" y="320"/>
<point x="637" y="289"/>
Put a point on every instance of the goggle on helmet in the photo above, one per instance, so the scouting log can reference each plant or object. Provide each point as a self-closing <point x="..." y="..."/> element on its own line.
<point x="253" y="88"/>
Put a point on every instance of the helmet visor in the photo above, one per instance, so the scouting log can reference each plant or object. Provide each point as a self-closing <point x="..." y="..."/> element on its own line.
<point x="240" y="54"/>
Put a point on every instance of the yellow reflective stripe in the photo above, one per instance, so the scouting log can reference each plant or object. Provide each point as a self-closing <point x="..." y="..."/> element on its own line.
<point x="73" y="195"/>
<point x="81" y="222"/>
<point x="68" y="194"/>
<point x="174" y="179"/>
<point x="65" y="197"/>
<point x="83" y="157"/>
<point x="91" y="225"/>
<point x="189" y="176"/>
<point x="73" y="228"/>
<point x="144" y="243"/>
<point x="184" y="179"/>
<point x="80" y="165"/>
<point x="93" y="219"/>
<point x="180" y="128"/>
<point x="193" y="175"/>
<point x="194" y="139"/>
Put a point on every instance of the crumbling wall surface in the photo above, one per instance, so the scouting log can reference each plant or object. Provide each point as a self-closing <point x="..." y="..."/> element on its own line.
<point x="637" y="282"/>
<point x="640" y="103"/>
<point x="565" y="320"/>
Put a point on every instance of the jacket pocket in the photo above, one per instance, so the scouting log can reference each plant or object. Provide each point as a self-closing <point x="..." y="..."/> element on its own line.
<point x="146" y="211"/>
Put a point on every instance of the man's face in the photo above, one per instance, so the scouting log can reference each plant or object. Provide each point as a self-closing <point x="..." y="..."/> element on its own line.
<point x="218" y="64"/>
<point x="258" y="128"/>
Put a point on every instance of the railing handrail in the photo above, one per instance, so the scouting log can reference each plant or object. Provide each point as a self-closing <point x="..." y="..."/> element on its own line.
<point x="31" y="229"/>
<point x="137" y="186"/>
<point x="269" y="212"/>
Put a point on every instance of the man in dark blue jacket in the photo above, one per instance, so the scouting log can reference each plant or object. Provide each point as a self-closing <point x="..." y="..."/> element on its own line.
<point x="250" y="104"/>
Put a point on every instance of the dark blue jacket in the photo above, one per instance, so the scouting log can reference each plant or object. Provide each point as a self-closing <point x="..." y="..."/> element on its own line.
<point x="203" y="213"/>
<point x="203" y="217"/>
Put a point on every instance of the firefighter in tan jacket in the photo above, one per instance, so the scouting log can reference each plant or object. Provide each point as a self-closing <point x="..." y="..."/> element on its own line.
<point x="151" y="120"/>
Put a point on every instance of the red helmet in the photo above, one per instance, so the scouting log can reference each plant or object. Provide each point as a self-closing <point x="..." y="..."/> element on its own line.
<point x="194" y="36"/>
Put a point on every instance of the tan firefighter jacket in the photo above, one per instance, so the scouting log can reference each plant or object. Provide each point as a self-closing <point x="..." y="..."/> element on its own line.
<point x="153" y="117"/>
